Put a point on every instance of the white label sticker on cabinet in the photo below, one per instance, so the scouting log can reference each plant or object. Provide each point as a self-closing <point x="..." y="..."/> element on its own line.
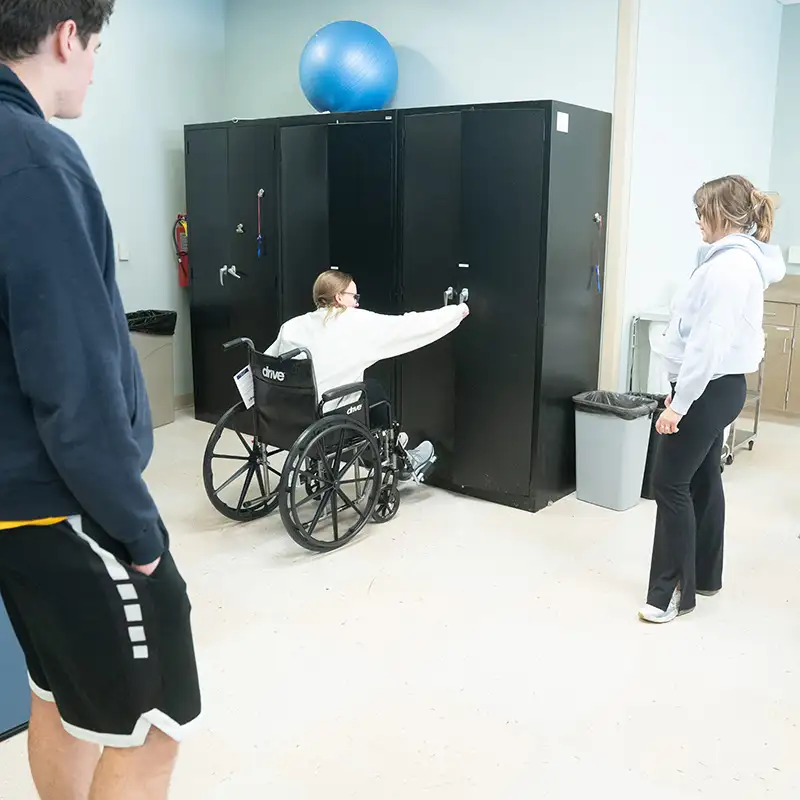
<point x="562" y="122"/>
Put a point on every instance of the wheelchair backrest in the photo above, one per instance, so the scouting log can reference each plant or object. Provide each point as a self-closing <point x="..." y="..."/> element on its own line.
<point x="285" y="390"/>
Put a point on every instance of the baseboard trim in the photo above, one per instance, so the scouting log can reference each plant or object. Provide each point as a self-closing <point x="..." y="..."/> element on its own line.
<point x="184" y="401"/>
<point x="13" y="732"/>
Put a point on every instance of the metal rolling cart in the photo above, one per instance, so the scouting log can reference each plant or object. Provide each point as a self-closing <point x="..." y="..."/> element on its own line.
<point x="738" y="437"/>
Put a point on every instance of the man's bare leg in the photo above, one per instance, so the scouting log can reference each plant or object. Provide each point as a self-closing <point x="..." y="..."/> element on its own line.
<point x="62" y="766"/>
<point x="141" y="773"/>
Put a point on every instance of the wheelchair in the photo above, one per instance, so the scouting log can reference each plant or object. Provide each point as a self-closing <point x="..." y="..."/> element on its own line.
<point x="328" y="472"/>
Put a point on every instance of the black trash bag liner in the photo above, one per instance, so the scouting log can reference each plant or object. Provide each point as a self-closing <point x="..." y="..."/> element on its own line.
<point x="157" y="323"/>
<point x="624" y="406"/>
<point x="661" y="399"/>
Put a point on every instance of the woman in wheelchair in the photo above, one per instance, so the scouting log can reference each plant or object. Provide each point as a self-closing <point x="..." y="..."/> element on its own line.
<point x="313" y="439"/>
<point x="344" y="340"/>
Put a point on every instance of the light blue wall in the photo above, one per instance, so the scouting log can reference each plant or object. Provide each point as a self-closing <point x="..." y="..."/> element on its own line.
<point x="450" y="51"/>
<point x="705" y="104"/>
<point x="160" y="66"/>
<point x="786" y="143"/>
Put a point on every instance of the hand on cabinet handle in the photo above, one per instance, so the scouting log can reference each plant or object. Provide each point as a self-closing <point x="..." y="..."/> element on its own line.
<point x="449" y="295"/>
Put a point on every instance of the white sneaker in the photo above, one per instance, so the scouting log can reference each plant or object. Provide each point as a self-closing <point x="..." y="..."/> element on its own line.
<point x="650" y="613"/>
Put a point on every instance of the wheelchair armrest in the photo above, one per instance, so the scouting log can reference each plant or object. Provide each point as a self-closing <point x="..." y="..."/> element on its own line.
<point x="293" y="353"/>
<point x="343" y="391"/>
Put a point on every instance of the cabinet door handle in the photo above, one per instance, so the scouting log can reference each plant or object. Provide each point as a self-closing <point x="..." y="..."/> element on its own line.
<point x="448" y="295"/>
<point x="784" y="346"/>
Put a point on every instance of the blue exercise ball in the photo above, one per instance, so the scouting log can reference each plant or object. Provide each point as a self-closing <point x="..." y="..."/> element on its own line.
<point x="348" y="66"/>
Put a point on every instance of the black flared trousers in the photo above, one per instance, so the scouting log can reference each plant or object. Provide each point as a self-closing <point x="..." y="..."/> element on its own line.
<point x="690" y="519"/>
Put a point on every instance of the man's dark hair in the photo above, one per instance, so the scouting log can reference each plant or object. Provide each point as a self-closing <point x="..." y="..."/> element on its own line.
<point x="25" y="24"/>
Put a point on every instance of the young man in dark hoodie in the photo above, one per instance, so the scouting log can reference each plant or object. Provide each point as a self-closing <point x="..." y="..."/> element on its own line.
<point x="94" y="596"/>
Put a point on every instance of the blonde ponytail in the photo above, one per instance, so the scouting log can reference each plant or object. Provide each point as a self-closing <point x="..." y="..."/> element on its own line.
<point x="763" y="215"/>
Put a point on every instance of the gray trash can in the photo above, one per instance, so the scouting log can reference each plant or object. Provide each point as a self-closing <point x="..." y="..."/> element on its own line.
<point x="612" y="432"/>
<point x="152" y="334"/>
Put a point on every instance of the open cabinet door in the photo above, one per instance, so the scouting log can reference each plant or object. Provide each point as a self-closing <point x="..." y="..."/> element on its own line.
<point x="431" y="230"/>
<point x="305" y="250"/>
<point x="361" y="189"/>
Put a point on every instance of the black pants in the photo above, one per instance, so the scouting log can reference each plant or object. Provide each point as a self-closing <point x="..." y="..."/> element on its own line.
<point x="690" y="520"/>
<point x="380" y="416"/>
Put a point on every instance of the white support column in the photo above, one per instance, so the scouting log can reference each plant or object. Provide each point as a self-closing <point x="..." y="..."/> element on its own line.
<point x="619" y="196"/>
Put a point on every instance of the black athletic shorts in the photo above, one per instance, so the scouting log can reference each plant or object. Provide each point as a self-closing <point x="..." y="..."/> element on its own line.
<point x="111" y="647"/>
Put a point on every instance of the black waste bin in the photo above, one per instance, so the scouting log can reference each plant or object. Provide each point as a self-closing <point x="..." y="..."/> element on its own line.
<point x="652" y="447"/>
<point x="156" y="323"/>
<point x="152" y="337"/>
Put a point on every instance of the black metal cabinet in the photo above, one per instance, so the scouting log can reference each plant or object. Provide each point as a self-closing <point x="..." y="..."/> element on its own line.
<point x="506" y="201"/>
<point x="498" y="202"/>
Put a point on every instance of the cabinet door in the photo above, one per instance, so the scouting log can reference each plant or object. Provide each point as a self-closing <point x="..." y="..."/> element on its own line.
<point x="305" y="250"/>
<point x="502" y="184"/>
<point x="361" y="217"/>
<point x="430" y="240"/>
<point x="777" y="359"/>
<point x="254" y="295"/>
<point x="207" y="208"/>
<point x="793" y="397"/>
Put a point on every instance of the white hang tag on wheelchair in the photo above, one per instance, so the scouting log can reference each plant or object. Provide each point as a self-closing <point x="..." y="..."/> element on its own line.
<point x="244" y="383"/>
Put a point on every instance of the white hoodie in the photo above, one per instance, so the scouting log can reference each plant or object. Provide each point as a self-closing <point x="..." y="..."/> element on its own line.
<point x="715" y="326"/>
<point x="343" y="344"/>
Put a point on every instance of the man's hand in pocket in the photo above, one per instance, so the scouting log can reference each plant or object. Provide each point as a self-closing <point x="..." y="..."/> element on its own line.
<point x="147" y="569"/>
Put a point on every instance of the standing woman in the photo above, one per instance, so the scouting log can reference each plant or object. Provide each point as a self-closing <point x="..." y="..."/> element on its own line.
<point x="714" y="338"/>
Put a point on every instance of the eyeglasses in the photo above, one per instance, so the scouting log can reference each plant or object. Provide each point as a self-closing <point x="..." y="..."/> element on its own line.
<point x="356" y="296"/>
<point x="697" y="211"/>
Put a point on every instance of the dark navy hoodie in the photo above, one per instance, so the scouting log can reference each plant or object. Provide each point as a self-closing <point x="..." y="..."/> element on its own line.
<point x="75" y="428"/>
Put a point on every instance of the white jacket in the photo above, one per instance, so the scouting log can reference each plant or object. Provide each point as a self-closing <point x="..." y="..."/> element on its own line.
<point x="344" y="344"/>
<point x="715" y="327"/>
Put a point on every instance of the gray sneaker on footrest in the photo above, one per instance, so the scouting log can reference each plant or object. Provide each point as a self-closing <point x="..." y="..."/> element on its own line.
<point x="420" y="461"/>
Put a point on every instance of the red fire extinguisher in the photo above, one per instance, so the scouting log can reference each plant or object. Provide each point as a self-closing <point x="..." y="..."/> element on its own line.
<point x="181" y="237"/>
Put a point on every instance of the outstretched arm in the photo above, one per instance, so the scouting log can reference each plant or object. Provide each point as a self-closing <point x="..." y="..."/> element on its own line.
<point x="391" y="336"/>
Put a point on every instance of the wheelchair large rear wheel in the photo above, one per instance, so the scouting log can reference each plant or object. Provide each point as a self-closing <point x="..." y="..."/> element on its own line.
<point x="238" y="477"/>
<point x="330" y="483"/>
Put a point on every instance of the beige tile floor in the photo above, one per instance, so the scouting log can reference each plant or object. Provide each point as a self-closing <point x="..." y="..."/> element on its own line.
<point x="474" y="652"/>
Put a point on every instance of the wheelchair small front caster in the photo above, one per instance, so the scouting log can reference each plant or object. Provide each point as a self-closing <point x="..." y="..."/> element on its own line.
<point x="387" y="504"/>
